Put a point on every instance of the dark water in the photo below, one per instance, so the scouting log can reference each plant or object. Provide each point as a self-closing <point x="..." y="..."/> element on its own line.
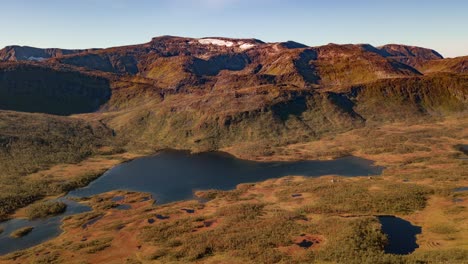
<point x="401" y="235"/>
<point x="44" y="229"/>
<point x="175" y="175"/>
<point x="461" y="189"/>
<point x="463" y="148"/>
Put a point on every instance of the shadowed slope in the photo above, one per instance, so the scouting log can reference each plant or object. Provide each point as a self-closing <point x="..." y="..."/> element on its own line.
<point x="35" y="88"/>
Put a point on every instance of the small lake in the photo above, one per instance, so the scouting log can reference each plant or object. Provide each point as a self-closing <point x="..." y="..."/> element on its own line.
<point x="401" y="235"/>
<point x="173" y="176"/>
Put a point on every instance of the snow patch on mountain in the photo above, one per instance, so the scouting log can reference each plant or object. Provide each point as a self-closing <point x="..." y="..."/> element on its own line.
<point x="218" y="42"/>
<point x="246" y="46"/>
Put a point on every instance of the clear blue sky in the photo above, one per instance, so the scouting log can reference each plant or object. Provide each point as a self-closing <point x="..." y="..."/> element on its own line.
<point x="441" y="25"/>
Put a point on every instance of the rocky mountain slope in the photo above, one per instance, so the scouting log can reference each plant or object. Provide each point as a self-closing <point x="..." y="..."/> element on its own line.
<point x="38" y="88"/>
<point x="214" y="92"/>
<point x="25" y="53"/>
<point x="409" y="54"/>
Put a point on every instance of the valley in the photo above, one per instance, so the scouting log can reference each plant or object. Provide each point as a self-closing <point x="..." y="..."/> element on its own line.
<point x="70" y="117"/>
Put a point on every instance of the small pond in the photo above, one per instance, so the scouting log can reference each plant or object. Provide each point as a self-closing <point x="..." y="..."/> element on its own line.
<point x="401" y="235"/>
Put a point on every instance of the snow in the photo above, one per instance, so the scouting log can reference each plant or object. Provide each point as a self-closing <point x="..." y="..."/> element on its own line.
<point x="246" y="46"/>
<point x="218" y="42"/>
<point x="32" y="58"/>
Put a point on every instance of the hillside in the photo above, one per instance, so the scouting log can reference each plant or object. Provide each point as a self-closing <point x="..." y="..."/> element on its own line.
<point x="38" y="88"/>
<point x="453" y="65"/>
<point x="410" y="55"/>
<point x="33" y="142"/>
<point x="210" y="93"/>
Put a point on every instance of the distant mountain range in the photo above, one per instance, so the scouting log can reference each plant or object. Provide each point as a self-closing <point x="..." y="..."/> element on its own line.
<point x="211" y="92"/>
<point x="25" y="53"/>
<point x="209" y="56"/>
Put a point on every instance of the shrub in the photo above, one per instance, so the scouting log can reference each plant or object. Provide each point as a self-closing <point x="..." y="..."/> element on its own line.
<point x="21" y="232"/>
<point x="45" y="209"/>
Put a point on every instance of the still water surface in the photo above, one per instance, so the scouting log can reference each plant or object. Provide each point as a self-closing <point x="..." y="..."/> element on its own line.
<point x="173" y="176"/>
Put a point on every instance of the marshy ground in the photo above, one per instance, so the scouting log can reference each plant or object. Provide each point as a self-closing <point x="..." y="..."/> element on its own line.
<point x="293" y="219"/>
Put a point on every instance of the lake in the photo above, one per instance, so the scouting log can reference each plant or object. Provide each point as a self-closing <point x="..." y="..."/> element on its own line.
<point x="173" y="176"/>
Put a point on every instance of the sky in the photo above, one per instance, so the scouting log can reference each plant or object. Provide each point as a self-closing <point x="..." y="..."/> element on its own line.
<point x="441" y="25"/>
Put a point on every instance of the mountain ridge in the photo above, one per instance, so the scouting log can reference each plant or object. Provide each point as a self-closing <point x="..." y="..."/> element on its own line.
<point x="210" y="93"/>
<point x="400" y="48"/>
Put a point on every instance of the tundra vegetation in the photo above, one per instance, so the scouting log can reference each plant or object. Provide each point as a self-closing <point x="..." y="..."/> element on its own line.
<point x="273" y="101"/>
<point x="265" y="222"/>
<point x="21" y="232"/>
<point x="45" y="209"/>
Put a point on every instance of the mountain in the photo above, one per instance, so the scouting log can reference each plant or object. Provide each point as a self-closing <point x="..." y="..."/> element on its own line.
<point x="175" y="62"/>
<point x="212" y="92"/>
<point x="25" y="53"/>
<point x="411" y="55"/>
<point x="453" y="65"/>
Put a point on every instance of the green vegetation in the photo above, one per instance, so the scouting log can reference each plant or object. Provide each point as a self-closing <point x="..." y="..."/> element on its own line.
<point x="243" y="231"/>
<point x="32" y="142"/>
<point x="45" y="209"/>
<point x="246" y="234"/>
<point x="344" y="197"/>
<point x="21" y="232"/>
<point x="360" y="238"/>
<point x="396" y="99"/>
